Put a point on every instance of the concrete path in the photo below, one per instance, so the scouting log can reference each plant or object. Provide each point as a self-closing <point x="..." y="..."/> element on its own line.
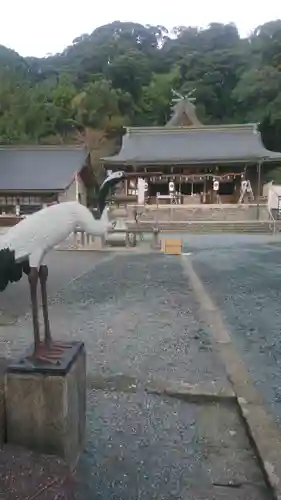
<point x="146" y="337"/>
<point x="243" y="276"/>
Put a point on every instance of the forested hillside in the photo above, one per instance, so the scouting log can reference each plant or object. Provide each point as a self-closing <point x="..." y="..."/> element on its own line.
<point x="123" y="73"/>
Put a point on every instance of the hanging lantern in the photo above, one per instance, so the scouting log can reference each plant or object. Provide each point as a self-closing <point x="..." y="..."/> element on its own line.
<point x="216" y="185"/>
<point x="171" y="187"/>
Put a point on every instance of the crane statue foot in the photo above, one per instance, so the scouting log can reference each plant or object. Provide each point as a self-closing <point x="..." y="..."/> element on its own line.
<point x="47" y="351"/>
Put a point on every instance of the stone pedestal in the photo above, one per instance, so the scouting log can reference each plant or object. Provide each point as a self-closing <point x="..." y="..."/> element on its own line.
<point x="156" y="244"/>
<point x="3" y="365"/>
<point x="46" y="404"/>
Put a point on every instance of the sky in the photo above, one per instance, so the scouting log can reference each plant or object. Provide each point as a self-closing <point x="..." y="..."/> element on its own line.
<point x="33" y="27"/>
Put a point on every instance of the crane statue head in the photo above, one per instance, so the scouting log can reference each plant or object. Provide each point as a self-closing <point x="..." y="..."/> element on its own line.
<point x="110" y="181"/>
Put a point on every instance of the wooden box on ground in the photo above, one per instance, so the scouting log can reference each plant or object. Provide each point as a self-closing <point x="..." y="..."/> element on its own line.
<point x="172" y="246"/>
<point x="46" y="404"/>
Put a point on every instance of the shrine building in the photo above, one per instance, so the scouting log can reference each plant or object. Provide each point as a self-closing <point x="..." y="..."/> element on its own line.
<point x="203" y="163"/>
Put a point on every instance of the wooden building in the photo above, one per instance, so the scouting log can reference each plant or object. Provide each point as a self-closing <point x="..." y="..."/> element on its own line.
<point x="35" y="176"/>
<point x="206" y="164"/>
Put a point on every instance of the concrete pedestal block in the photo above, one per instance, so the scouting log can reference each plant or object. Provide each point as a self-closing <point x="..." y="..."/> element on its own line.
<point x="98" y="243"/>
<point x="46" y="404"/>
<point x="117" y="239"/>
<point x="3" y="365"/>
<point x="155" y="244"/>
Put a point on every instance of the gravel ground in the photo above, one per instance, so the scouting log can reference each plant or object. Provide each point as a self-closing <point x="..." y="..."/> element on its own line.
<point x="25" y="476"/>
<point x="243" y="276"/>
<point x="140" y="321"/>
<point x="63" y="267"/>
<point x="150" y="448"/>
<point x="137" y="316"/>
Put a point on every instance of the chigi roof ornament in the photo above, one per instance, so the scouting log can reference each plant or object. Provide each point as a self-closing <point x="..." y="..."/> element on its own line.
<point x="183" y="110"/>
<point x="179" y="97"/>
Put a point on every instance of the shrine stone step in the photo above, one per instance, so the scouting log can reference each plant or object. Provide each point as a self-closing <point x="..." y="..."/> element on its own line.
<point x="204" y="213"/>
<point x="209" y="226"/>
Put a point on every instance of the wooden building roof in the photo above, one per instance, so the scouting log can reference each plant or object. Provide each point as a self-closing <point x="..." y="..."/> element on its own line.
<point x="192" y="145"/>
<point x="40" y="168"/>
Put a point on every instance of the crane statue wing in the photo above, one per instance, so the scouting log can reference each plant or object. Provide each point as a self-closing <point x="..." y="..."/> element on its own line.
<point x="108" y="184"/>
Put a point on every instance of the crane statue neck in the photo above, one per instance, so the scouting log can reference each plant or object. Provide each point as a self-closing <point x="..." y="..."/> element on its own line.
<point x="110" y="224"/>
<point x="95" y="227"/>
<point x="104" y="215"/>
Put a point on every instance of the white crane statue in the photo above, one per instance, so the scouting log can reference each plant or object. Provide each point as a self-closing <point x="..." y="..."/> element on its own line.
<point x="24" y="247"/>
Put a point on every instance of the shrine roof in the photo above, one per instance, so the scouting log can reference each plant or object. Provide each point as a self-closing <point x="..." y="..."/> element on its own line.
<point x="192" y="145"/>
<point x="39" y="168"/>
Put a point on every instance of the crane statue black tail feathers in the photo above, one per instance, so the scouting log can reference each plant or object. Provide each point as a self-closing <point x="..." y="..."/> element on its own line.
<point x="10" y="269"/>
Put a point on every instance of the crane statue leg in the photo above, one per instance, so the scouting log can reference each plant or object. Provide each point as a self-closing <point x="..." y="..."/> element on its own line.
<point x="47" y="351"/>
<point x="39" y="351"/>
<point x="33" y="282"/>
<point x="54" y="348"/>
<point x="43" y="276"/>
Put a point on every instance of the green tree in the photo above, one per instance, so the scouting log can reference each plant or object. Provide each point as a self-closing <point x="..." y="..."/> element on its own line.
<point x="156" y="98"/>
<point x="129" y="72"/>
<point x="123" y="73"/>
<point x="61" y="98"/>
<point x="97" y="106"/>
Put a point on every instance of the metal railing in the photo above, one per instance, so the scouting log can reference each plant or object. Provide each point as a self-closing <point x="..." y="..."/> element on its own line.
<point x="130" y="237"/>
